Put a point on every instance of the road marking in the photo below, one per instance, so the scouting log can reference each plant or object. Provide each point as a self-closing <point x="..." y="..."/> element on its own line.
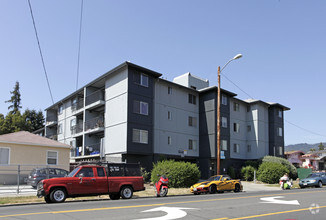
<point x="276" y="200"/>
<point x="172" y="213"/>
<point x="272" y="213"/>
<point x="151" y="205"/>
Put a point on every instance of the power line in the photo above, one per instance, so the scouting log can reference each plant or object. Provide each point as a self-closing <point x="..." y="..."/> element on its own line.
<point x="314" y="133"/>
<point x="39" y="47"/>
<point x="80" y="30"/>
<point x="305" y="129"/>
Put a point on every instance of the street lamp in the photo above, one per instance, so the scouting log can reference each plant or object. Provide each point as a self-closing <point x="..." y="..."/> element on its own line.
<point x="219" y="70"/>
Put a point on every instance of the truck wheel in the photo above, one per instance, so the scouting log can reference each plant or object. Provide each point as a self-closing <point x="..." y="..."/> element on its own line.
<point x="58" y="195"/>
<point x="114" y="196"/>
<point x="47" y="199"/>
<point x="126" y="192"/>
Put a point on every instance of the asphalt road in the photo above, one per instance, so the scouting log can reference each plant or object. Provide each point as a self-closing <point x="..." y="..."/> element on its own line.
<point x="287" y="204"/>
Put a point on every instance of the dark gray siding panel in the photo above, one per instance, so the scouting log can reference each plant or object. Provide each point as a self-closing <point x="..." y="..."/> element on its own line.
<point x="275" y="122"/>
<point x="137" y="121"/>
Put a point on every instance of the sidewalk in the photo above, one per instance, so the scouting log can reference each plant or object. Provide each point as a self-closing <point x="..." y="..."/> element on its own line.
<point x="13" y="190"/>
<point x="258" y="187"/>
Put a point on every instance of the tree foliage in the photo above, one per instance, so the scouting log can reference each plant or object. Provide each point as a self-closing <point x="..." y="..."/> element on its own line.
<point x="14" y="121"/>
<point x="321" y="146"/>
<point x="15" y="100"/>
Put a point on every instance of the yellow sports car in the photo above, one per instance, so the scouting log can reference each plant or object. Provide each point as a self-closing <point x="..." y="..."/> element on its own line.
<point x="218" y="183"/>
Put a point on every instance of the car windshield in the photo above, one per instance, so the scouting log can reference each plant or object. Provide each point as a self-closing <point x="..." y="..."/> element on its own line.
<point x="312" y="175"/>
<point x="214" y="178"/>
<point x="72" y="173"/>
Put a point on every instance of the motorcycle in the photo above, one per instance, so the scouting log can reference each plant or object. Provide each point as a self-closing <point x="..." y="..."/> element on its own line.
<point x="161" y="186"/>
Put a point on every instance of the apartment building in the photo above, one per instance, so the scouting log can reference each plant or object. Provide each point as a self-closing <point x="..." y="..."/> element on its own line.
<point x="132" y="114"/>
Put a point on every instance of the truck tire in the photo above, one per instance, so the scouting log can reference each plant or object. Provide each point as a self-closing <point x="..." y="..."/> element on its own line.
<point x="126" y="192"/>
<point x="114" y="196"/>
<point x="47" y="199"/>
<point x="58" y="195"/>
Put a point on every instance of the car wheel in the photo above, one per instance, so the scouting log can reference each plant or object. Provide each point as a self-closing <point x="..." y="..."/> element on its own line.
<point x="163" y="192"/>
<point x="58" y="195"/>
<point x="320" y="184"/>
<point x="237" y="188"/>
<point x="212" y="189"/>
<point x="126" y="192"/>
<point x="114" y="196"/>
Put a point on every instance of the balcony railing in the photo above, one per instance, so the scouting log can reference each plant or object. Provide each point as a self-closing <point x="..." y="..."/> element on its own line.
<point x="75" y="129"/>
<point x="77" y="105"/>
<point x="94" y="97"/>
<point x="93" y="149"/>
<point x="54" y="137"/>
<point x="97" y="122"/>
<point x="51" y="118"/>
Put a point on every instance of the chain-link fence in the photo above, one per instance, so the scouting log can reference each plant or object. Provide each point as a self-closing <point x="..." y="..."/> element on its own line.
<point x="16" y="176"/>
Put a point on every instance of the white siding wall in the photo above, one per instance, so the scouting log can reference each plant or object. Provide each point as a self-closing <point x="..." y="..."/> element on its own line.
<point x="257" y="138"/>
<point x="177" y="128"/>
<point x="116" y="107"/>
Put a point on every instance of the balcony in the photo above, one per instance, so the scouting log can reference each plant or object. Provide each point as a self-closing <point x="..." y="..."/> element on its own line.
<point x="76" y="130"/>
<point x="53" y="137"/>
<point x="51" y="120"/>
<point x="93" y="149"/>
<point x="95" y="100"/>
<point x="77" y="107"/>
<point x="94" y="125"/>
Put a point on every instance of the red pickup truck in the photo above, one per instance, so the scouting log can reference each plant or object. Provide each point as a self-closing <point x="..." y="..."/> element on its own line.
<point x="89" y="180"/>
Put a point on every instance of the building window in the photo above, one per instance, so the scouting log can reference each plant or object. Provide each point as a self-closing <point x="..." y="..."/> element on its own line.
<point x="169" y="115"/>
<point x="192" y="144"/>
<point x="52" y="158"/>
<point x="248" y="148"/>
<point x="4" y="155"/>
<point x="279" y="113"/>
<point x="169" y="90"/>
<point x="169" y="140"/>
<point x="60" y="109"/>
<point x="192" y="121"/>
<point x="224" y="145"/>
<point x="144" y="80"/>
<point x="236" y="107"/>
<point x="60" y="128"/>
<point x="236" y="148"/>
<point x="141" y="107"/>
<point x="192" y="99"/>
<point x="236" y="127"/>
<point x="141" y="79"/>
<point x="140" y="136"/>
<point x="279" y="132"/>
<point x="249" y="128"/>
<point x="224" y="100"/>
<point x="280" y="149"/>
<point x="224" y="122"/>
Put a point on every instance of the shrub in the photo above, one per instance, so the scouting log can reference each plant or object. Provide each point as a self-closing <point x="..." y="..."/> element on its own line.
<point x="254" y="163"/>
<point x="145" y="174"/>
<point x="270" y="172"/>
<point x="293" y="174"/>
<point x="247" y="173"/>
<point x="180" y="174"/>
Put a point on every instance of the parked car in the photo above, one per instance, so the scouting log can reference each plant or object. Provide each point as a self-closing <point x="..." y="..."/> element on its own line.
<point x="38" y="174"/>
<point x="218" y="183"/>
<point x="314" y="179"/>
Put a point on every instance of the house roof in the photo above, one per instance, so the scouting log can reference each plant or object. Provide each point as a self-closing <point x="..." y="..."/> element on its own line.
<point x="27" y="138"/>
<point x="293" y="152"/>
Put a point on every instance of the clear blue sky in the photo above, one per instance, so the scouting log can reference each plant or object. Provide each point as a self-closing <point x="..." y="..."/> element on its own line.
<point x="283" y="43"/>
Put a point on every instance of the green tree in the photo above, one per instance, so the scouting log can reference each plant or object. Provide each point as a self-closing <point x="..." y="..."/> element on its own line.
<point x="321" y="146"/>
<point x="312" y="149"/>
<point x="33" y="120"/>
<point x="15" y="99"/>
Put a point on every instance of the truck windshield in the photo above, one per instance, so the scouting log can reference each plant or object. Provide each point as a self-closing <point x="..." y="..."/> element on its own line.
<point x="72" y="173"/>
